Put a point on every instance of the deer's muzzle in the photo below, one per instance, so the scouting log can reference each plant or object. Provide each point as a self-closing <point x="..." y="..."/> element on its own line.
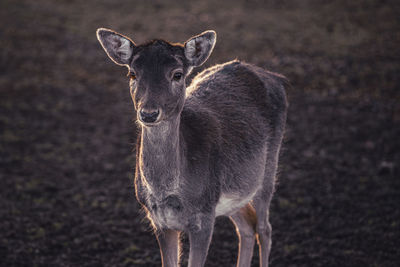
<point x="149" y="115"/>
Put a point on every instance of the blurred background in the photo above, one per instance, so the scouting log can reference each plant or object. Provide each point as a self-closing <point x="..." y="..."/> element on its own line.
<point x="67" y="129"/>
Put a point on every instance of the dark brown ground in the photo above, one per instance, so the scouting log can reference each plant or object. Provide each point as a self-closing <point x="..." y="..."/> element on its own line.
<point x="67" y="129"/>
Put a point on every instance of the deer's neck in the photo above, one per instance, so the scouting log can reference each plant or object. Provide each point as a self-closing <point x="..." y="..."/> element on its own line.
<point x="161" y="159"/>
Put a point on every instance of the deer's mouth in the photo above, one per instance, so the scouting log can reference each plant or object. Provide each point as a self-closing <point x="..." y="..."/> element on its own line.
<point x="150" y="124"/>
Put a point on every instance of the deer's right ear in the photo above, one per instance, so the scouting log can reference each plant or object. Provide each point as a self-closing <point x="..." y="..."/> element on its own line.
<point x="117" y="46"/>
<point x="199" y="47"/>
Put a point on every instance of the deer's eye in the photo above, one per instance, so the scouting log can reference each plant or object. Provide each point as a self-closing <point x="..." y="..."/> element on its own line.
<point x="131" y="75"/>
<point x="178" y="76"/>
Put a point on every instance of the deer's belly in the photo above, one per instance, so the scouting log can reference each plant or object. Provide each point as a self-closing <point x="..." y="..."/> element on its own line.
<point x="228" y="204"/>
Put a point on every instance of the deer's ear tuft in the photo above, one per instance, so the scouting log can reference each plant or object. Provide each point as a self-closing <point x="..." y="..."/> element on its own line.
<point x="199" y="47"/>
<point x="117" y="46"/>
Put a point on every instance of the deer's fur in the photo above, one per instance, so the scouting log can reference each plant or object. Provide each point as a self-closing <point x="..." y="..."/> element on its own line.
<point x="207" y="150"/>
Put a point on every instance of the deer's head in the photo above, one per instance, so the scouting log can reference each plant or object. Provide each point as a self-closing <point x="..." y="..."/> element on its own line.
<point x="157" y="71"/>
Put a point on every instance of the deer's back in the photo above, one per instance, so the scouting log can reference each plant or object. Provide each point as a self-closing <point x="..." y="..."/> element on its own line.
<point x="239" y="93"/>
<point x="240" y="110"/>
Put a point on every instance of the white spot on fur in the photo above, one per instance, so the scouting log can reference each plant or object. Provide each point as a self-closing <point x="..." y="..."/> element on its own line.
<point x="190" y="48"/>
<point x="229" y="204"/>
<point x="125" y="49"/>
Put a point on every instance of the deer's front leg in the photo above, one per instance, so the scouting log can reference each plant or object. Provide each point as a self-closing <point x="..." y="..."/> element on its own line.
<point x="200" y="238"/>
<point x="168" y="241"/>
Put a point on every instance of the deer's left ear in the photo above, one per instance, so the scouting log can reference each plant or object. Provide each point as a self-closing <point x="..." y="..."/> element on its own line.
<point x="117" y="46"/>
<point x="199" y="47"/>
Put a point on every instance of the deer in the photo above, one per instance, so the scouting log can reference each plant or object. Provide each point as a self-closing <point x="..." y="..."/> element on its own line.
<point x="204" y="150"/>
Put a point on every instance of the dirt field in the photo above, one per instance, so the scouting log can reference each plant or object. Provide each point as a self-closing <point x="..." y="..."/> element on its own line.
<point x="67" y="129"/>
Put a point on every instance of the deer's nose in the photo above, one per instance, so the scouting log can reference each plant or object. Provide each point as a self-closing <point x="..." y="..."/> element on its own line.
<point x="149" y="115"/>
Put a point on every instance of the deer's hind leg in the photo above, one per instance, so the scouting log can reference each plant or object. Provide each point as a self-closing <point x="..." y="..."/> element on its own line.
<point x="263" y="230"/>
<point x="245" y="222"/>
<point x="261" y="205"/>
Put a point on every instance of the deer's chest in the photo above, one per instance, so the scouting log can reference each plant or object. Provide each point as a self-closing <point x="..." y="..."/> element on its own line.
<point x="166" y="210"/>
